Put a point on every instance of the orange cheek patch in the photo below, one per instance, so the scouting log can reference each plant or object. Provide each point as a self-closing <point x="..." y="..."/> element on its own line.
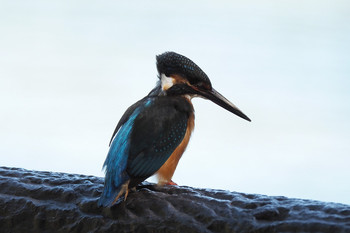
<point x="179" y="79"/>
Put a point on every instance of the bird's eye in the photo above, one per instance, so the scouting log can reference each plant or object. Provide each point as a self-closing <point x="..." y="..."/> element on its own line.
<point x="202" y="86"/>
<point x="199" y="85"/>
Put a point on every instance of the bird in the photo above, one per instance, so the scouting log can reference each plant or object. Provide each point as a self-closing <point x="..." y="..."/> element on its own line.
<point x="153" y="133"/>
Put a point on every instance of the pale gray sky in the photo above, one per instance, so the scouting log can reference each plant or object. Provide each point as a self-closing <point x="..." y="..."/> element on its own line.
<point x="68" y="71"/>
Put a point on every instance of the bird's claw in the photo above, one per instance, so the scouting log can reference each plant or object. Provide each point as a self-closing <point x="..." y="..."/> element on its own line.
<point x="170" y="183"/>
<point x="124" y="189"/>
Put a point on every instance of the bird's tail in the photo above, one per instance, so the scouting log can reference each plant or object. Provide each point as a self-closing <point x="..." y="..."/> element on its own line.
<point x="108" y="196"/>
<point x="112" y="194"/>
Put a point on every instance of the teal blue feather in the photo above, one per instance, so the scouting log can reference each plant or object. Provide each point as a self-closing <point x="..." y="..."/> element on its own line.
<point x="116" y="161"/>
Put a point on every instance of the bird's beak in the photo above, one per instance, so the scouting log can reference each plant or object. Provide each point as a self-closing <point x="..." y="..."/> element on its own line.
<point x="220" y="100"/>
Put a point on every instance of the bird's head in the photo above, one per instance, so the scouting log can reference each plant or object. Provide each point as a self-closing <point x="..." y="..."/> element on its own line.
<point x="180" y="76"/>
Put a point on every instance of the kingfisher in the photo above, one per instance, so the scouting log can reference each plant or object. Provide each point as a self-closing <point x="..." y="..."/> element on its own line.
<point x="153" y="133"/>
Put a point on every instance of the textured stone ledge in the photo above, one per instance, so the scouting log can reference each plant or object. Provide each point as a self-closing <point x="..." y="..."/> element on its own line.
<point x="34" y="201"/>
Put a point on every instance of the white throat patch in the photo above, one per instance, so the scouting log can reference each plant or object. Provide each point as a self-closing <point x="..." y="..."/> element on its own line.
<point x="166" y="82"/>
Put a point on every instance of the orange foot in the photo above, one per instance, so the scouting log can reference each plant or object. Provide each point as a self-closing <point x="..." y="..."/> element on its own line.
<point x="171" y="183"/>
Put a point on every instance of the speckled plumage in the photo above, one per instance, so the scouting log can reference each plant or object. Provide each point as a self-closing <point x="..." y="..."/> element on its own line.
<point x="153" y="133"/>
<point x="170" y="63"/>
<point x="153" y="128"/>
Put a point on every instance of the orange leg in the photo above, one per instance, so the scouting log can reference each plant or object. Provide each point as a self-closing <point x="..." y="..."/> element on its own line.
<point x="171" y="183"/>
<point x="124" y="189"/>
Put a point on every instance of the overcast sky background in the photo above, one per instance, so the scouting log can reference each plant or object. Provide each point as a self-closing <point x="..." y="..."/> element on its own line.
<point x="69" y="70"/>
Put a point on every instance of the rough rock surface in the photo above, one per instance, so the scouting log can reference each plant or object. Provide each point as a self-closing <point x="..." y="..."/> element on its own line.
<point x="33" y="201"/>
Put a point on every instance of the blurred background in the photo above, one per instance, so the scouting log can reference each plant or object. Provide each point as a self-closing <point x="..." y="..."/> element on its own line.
<point x="69" y="70"/>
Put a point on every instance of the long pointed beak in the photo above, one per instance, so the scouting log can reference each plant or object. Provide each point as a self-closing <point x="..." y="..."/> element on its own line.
<point x="220" y="100"/>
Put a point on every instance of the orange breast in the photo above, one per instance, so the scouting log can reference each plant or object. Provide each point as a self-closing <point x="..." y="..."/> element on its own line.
<point x="166" y="172"/>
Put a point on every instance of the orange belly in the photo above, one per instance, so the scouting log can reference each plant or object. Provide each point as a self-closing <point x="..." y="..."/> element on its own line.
<point x="166" y="172"/>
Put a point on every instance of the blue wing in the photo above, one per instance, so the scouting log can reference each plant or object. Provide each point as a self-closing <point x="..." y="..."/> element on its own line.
<point x="145" y="138"/>
<point x="117" y="156"/>
<point x="127" y="115"/>
<point x="158" y="130"/>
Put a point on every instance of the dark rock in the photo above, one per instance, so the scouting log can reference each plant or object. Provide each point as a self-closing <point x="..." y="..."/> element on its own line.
<point x="32" y="201"/>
